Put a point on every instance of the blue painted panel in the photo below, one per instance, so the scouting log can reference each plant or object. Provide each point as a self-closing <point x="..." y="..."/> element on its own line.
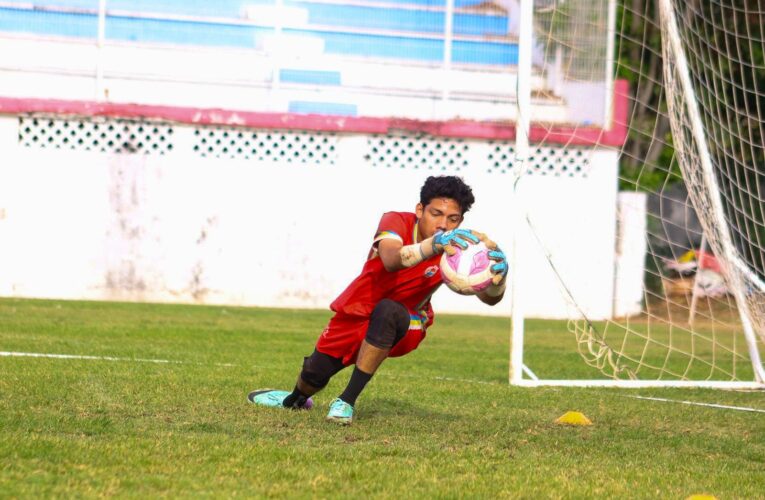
<point x="232" y="8"/>
<point x="373" y="45"/>
<point x="389" y="18"/>
<point x="182" y="32"/>
<point x="306" y="76"/>
<point x="218" y="8"/>
<point x="401" y="20"/>
<point x="26" y="21"/>
<point x="392" y="3"/>
<point x="322" y="108"/>
<point x="79" y="4"/>
<point x="485" y="53"/>
<point x="416" y="48"/>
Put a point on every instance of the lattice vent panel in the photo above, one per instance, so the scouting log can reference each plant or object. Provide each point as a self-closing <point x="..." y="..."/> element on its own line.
<point x="555" y="162"/>
<point x="274" y="145"/>
<point x="439" y="155"/>
<point x="109" y="135"/>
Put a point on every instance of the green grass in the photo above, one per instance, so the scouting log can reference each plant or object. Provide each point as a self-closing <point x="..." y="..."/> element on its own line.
<point x="441" y="422"/>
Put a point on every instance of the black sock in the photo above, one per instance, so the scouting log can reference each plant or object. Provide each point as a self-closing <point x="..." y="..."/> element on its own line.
<point x="295" y="400"/>
<point x="357" y="383"/>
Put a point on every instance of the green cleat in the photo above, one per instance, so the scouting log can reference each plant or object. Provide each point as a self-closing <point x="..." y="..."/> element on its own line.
<point x="340" y="412"/>
<point x="275" y="399"/>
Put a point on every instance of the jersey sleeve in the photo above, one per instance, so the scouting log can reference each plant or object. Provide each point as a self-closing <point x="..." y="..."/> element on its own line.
<point x="392" y="226"/>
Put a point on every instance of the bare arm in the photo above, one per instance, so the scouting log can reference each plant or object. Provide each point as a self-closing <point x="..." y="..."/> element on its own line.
<point x="389" y="251"/>
<point x="395" y="256"/>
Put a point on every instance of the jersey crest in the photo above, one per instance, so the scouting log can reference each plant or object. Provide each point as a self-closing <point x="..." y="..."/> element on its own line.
<point x="430" y="271"/>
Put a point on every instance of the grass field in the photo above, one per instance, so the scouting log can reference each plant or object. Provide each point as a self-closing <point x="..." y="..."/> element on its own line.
<point x="441" y="422"/>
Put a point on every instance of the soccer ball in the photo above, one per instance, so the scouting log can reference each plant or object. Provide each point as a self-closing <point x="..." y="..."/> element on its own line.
<point x="467" y="272"/>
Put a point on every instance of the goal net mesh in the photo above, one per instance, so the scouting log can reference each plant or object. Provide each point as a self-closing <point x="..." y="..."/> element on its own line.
<point x="695" y="148"/>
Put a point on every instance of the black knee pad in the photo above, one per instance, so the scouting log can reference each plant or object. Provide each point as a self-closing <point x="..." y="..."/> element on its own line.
<point x="318" y="368"/>
<point x="388" y="324"/>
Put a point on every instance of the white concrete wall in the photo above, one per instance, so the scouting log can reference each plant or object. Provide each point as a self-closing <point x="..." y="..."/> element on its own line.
<point x="631" y="248"/>
<point x="571" y="228"/>
<point x="181" y="227"/>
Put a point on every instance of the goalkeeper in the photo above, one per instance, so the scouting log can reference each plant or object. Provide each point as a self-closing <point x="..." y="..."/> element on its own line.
<point x="385" y="311"/>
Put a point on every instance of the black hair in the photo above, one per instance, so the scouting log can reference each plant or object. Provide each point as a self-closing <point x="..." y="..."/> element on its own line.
<point x="447" y="186"/>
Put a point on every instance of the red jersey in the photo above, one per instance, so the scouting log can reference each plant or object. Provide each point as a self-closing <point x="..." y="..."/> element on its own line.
<point x="411" y="286"/>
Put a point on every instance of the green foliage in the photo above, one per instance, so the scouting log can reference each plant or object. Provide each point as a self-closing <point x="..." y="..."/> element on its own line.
<point x="732" y="75"/>
<point x="647" y="160"/>
<point x="441" y="422"/>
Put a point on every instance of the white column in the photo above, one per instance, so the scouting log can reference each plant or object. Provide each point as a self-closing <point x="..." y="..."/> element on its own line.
<point x="521" y="155"/>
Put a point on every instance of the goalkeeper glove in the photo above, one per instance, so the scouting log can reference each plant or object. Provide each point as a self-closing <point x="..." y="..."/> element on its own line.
<point x="500" y="268"/>
<point x="442" y="241"/>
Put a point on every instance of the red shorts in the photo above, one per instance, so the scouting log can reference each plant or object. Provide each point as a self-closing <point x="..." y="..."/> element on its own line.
<point x="343" y="336"/>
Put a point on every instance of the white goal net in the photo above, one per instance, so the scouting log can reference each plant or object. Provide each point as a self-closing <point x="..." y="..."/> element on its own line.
<point x="695" y="152"/>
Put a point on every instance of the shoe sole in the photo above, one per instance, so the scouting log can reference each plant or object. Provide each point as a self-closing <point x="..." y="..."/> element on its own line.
<point x="251" y="399"/>
<point x="339" y="420"/>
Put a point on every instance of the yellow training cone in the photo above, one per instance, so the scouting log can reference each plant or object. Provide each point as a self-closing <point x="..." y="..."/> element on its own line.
<point x="701" y="496"/>
<point x="574" y="418"/>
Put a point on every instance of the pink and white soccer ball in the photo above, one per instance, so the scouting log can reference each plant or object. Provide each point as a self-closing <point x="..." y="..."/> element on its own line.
<point x="468" y="271"/>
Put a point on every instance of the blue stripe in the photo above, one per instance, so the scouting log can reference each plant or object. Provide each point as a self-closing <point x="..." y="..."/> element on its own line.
<point x="322" y="108"/>
<point x="48" y="23"/>
<point x="309" y="76"/>
<point x="417" y="48"/>
<point x="182" y="32"/>
<point x="389" y="4"/>
<point x="234" y="8"/>
<point x="355" y="16"/>
<point x="79" y="4"/>
<point x="418" y="21"/>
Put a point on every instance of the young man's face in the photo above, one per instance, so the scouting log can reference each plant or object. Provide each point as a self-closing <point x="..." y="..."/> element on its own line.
<point x="441" y="214"/>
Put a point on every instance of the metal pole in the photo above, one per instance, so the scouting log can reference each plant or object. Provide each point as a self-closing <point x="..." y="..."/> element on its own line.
<point x="525" y="41"/>
<point x="557" y="81"/>
<point x="558" y="71"/>
<point x="99" y="89"/>
<point x="275" y="54"/>
<point x="448" y="40"/>
<point x="610" y="49"/>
